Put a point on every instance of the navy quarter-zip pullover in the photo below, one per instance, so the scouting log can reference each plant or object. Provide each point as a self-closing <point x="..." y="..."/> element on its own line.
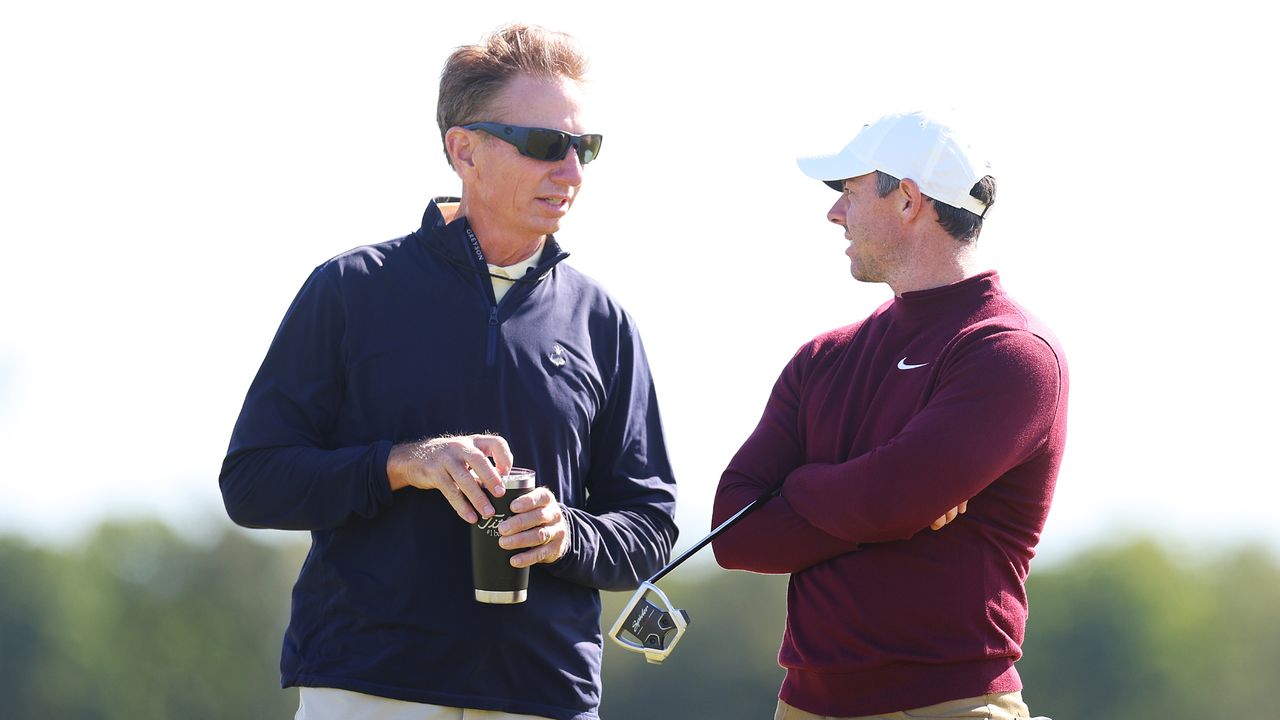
<point x="402" y="341"/>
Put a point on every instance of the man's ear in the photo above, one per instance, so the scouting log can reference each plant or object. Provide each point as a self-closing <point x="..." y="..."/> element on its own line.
<point x="911" y="200"/>
<point x="461" y="145"/>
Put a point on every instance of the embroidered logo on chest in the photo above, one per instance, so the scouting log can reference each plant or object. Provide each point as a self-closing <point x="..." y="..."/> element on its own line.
<point x="557" y="356"/>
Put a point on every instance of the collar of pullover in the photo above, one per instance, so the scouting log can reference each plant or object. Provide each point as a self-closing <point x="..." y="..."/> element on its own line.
<point x="924" y="305"/>
<point x="454" y="241"/>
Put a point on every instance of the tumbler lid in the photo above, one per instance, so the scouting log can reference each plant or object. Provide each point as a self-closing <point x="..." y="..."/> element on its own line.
<point x="519" y="478"/>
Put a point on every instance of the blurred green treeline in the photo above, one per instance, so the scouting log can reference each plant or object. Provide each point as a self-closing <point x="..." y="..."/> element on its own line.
<point x="139" y="622"/>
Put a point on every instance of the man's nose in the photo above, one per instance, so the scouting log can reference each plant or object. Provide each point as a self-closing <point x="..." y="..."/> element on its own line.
<point x="836" y="213"/>
<point x="569" y="169"/>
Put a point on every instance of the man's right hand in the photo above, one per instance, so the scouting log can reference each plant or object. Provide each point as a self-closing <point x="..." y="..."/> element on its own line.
<point x="457" y="466"/>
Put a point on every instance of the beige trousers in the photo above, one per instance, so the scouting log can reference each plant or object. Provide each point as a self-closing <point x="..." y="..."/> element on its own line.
<point x="334" y="704"/>
<point x="999" y="706"/>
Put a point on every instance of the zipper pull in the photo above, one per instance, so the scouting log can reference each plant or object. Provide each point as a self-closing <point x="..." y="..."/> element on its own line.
<point x="491" y="353"/>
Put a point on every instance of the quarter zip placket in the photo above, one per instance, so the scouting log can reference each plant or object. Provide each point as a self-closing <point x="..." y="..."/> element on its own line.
<point x="491" y="351"/>
<point x="518" y="292"/>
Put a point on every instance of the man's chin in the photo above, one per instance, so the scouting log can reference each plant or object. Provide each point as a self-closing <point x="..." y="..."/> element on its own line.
<point x="545" y="225"/>
<point x="861" y="275"/>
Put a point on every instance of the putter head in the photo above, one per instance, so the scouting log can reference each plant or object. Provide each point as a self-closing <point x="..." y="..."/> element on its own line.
<point x="649" y="624"/>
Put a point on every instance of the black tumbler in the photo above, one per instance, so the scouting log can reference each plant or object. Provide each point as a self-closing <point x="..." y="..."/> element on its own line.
<point x="494" y="579"/>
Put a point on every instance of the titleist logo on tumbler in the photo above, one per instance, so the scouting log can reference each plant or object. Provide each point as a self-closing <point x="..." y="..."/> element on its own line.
<point x="494" y="579"/>
<point x="490" y="525"/>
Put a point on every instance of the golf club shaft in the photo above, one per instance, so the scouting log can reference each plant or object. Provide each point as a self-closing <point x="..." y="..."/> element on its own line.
<point x="712" y="535"/>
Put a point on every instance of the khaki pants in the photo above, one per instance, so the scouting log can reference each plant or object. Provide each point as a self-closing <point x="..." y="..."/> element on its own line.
<point x="999" y="706"/>
<point x="333" y="704"/>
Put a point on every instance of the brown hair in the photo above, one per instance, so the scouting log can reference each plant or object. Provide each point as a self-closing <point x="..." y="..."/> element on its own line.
<point x="474" y="74"/>
<point x="961" y="224"/>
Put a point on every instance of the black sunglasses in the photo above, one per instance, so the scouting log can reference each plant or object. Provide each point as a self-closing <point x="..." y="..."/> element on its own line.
<point x="541" y="143"/>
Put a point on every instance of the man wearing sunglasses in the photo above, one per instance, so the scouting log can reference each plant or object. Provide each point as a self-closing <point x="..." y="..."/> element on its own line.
<point x="408" y="376"/>
<point x="950" y="398"/>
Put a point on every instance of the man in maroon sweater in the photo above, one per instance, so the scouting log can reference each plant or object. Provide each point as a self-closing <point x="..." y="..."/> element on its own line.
<point x="877" y="436"/>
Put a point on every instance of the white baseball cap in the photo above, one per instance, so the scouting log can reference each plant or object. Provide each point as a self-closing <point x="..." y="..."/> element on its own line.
<point x="910" y="145"/>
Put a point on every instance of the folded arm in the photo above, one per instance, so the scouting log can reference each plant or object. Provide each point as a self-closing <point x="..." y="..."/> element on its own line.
<point x="992" y="410"/>
<point x="774" y="538"/>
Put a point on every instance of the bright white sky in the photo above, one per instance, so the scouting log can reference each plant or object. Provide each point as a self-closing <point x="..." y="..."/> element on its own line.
<point x="170" y="173"/>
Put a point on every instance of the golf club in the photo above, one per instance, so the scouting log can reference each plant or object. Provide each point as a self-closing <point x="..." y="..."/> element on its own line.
<point x="650" y="624"/>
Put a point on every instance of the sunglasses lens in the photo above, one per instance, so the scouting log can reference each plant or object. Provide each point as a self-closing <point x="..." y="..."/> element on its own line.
<point x="589" y="148"/>
<point x="547" y="144"/>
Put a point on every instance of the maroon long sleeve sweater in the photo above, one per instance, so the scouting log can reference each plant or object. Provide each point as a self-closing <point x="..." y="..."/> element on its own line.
<point x="873" y="431"/>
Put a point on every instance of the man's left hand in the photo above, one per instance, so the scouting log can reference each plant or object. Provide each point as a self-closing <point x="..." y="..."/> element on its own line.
<point x="537" y="523"/>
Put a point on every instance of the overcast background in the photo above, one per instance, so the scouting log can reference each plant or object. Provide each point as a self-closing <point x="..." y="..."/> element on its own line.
<point x="170" y="173"/>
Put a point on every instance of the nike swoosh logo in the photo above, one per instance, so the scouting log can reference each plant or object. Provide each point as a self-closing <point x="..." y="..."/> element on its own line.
<point x="902" y="365"/>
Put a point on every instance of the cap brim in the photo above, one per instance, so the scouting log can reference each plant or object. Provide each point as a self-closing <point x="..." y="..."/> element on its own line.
<point x="833" y="169"/>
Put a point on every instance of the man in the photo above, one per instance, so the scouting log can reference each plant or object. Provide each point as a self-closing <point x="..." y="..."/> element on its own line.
<point x="408" y="376"/>
<point x="947" y="397"/>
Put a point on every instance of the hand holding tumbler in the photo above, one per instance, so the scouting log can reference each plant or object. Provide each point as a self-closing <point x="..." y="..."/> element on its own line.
<point x="494" y="580"/>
